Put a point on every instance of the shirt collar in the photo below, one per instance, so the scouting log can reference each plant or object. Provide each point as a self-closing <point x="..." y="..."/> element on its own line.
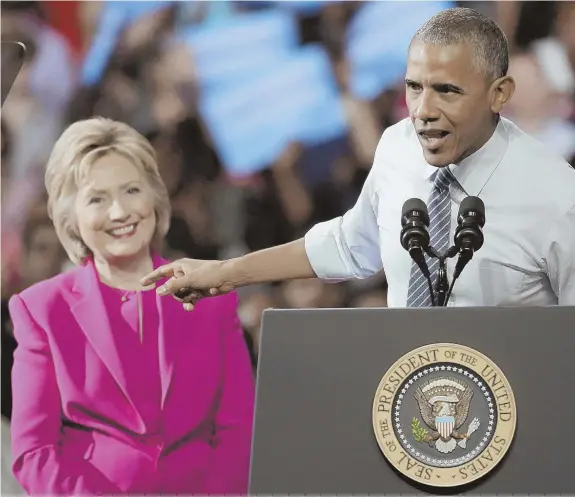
<point x="474" y="171"/>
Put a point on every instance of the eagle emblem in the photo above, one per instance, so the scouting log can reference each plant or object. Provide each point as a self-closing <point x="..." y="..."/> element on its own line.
<point x="444" y="407"/>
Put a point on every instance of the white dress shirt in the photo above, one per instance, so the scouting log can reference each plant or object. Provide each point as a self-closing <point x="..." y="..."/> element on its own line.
<point x="528" y="258"/>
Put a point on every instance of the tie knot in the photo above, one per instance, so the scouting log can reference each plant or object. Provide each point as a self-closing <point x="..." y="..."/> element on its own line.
<point x="442" y="178"/>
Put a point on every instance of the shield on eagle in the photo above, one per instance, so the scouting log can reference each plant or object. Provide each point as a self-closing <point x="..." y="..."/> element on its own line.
<point x="445" y="426"/>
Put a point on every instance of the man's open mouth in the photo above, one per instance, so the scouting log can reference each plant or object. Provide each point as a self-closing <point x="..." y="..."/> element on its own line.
<point x="433" y="134"/>
<point x="433" y="139"/>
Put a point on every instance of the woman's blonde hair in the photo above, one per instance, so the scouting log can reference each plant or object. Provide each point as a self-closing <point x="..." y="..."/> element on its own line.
<point x="79" y="146"/>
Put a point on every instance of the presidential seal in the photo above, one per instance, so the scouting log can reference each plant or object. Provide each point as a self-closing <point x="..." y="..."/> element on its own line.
<point x="444" y="415"/>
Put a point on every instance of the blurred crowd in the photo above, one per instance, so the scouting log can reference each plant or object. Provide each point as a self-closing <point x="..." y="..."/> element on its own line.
<point x="149" y="81"/>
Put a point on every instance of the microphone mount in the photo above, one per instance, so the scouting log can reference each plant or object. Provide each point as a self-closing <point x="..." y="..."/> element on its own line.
<point x="442" y="286"/>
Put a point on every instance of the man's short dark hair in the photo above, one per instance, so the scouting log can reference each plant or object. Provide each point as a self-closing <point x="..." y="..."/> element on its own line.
<point x="463" y="25"/>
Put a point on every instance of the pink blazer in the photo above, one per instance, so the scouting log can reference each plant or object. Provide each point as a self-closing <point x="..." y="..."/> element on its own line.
<point x="75" y="429"/>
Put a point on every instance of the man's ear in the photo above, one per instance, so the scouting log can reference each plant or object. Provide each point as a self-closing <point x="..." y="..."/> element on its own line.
<point x="502" y="90"/>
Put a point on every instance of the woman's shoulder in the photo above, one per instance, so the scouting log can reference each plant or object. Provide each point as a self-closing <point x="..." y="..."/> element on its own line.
<point x="44" y="292"/>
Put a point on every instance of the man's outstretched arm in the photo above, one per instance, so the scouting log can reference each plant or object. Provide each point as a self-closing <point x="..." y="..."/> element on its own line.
<point x="340" y="249"/>
<point x="192" y="279"/>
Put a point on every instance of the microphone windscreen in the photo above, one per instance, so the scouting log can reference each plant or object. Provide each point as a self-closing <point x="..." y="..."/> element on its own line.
<point x="415" y="204"/>
<point x="473" y="204"/>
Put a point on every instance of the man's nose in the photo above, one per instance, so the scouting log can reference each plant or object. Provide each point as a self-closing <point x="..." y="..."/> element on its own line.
<point x="426" y="110"/>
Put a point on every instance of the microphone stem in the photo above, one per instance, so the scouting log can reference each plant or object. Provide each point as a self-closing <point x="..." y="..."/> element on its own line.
<point x="430" y="285"/>
<point x="464" y="257"/>
<point x="450" y="290"/>
<point x="442" y="283"/>
<point x="419" y="258"/>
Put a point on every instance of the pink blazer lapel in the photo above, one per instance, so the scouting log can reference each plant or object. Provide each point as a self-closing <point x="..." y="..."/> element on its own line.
<point x="90" y="313"/>
<point x="168" y="310"/>
<point x="168" y="337"/>
<point x="176" y="344"/>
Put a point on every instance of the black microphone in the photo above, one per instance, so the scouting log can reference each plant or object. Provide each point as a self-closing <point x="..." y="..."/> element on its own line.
<point x="415" y="236"/>
<point x="468" y="234"/>
<point x="414" y="223"/>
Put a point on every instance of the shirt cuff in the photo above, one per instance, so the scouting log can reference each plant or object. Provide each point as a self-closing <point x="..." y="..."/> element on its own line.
<point x="323" y="252"/>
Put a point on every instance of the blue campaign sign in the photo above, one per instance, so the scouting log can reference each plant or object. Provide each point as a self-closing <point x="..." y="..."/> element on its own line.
<point x="301" y="7"/>
<point x="252" y="42"/>
<point x="115" y="16"/>
<point x="378" y="41"/>
<point x="251" y="122"/>
<point x="305" y="6"/>
<point x="319" y="113"/>
<point x="137" y="9"/>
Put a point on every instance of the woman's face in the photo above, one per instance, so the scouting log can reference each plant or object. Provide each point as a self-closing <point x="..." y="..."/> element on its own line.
<point x="115" y="210"/>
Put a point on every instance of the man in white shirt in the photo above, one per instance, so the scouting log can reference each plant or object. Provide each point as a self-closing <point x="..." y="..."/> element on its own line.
<point x="454" y="145"/>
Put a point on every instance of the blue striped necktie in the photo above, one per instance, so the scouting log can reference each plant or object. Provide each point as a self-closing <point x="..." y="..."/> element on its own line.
<point x="439" y="208"/>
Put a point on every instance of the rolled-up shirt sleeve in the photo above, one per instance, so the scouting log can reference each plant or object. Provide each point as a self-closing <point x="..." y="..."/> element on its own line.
<point x="561" y="258"/>
<point x="347" y="247"/>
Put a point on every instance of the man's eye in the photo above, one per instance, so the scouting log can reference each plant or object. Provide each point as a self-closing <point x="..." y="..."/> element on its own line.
<point x="449" y="90"/>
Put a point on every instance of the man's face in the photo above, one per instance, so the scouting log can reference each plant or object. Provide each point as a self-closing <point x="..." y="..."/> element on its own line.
<point x="450" y="101"/>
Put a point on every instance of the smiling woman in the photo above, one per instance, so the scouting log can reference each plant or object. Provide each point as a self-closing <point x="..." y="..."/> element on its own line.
<point x="116" y="390"/>
<point x="110" y="172"/>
